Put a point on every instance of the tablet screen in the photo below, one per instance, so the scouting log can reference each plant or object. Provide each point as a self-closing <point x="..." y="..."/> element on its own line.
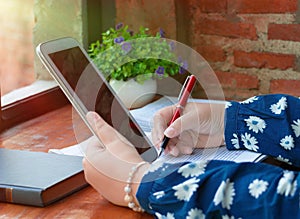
<point x="91" y="89"/>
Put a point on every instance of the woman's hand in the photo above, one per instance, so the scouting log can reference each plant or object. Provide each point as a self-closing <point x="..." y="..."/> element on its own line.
<point x="200" y="126"/>
<point x="107" y="163"/>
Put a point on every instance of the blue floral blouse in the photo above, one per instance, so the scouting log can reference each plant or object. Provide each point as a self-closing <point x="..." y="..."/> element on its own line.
<point x="268" y="124"/>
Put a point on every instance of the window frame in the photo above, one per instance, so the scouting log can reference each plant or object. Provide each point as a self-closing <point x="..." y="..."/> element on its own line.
<point x="30" y="107"/>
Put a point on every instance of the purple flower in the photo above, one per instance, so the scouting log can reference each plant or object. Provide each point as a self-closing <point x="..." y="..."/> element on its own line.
<point x="126" y="47"/>
<point x="161" y="33"/>
<point x="172" y="46"/>
<point x="184" y="64"/>
<point x="181" y="70"/>
<point x="179" y="60"/>
<point x="119" y="26"/>
<point x="183" y="67"/>
<point x="119" y="40"/>
<point x="160" y="70"/>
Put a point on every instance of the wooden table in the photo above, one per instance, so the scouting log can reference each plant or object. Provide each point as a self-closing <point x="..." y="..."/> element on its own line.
<point x="55" y="130"/>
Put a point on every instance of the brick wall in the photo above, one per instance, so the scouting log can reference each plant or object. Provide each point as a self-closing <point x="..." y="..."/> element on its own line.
<point x="253" y="46"/>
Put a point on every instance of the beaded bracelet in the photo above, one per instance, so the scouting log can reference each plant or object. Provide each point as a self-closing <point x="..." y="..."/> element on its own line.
<point x="127" y="189"/>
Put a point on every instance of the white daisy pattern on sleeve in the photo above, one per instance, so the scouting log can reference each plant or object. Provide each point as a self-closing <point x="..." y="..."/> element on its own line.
<point x="257" y="187"/>
<point x="286" y="186"/>
<point x="159" y="194"/>
<point x="225" y="194"/>
<point x="235" y="141"/>
<point x="287" y="142"/>
<point x="185" y="190"/>
<point x="227" y="105"/>
<point x="280" y="158"/>
<point x="249" y="100"/>
<point x="195" y="213"/>
<point x="167" y="216"/>
<point x="255" y="124"/>
<point x="250" y="142"/>
<point x="296" y="127"/>
<point x="193" y="169"/>
<point x="229" y="217"/>
<point x="281" y="105"/>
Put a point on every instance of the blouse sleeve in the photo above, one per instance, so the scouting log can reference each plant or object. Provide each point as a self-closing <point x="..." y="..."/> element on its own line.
<point x="219" y="189"/>
<point x="268" y="124"/>
<point x="223" y="189"/>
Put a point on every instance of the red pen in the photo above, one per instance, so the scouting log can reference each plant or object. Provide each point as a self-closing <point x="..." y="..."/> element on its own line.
<point x="183" y="98"/>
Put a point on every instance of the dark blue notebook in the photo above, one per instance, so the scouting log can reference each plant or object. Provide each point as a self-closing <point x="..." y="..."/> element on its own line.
<point x="37" y="178"/>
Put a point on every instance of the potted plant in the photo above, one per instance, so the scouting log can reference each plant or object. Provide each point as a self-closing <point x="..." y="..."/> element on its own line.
<point x="137" y="59"/>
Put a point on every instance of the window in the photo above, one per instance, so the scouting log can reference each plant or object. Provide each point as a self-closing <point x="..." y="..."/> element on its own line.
<point x="16" y="47"/>
<point x="19" y="68"/>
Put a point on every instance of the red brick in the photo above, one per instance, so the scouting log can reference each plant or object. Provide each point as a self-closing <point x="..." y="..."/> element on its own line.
<point x="239" y="94"/>
<point x="263" y="6"/>
<point x="264" y="60"/>
<point x="227" y="28"/>
<point x="212" y="6"/>
<point x="237" y="80"/>
<point x="212" y="53"/>
<point x="285" y="86"/>
<point x="289" y="32"/>
<point x="229" y="94"/>
<point x="243" y="94"/>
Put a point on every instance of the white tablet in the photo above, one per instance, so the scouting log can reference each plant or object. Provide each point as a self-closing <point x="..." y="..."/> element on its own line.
<point x="87" y="89"/>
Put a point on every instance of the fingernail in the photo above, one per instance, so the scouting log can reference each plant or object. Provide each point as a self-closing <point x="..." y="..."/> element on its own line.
<point x="91" y="117"/>
<point x="188" y="150"/>
<point x="174" y="151"/>
<point x="169" y="132"/>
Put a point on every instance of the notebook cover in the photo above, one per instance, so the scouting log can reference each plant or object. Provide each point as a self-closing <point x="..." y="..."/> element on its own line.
<point x="37" y="178"/>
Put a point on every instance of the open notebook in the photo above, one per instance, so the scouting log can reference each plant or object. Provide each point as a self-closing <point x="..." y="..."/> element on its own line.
<point x="144" y="116"/>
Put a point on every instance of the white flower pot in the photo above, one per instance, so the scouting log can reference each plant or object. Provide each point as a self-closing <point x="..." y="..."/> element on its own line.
<point x="134" y="94"/>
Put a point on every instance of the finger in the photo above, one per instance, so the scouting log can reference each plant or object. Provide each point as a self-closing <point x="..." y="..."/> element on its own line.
<point x="187" y="121"/>
<point x="160" y="123"/>
<point x="118" y="146"/>
<point x="187" y="142"/>
<point x="170" y="147"/>
<point x="183" y="123"/>
<point x="167" y="113"/>
<point x="173" y="150"/>
<point x="177" y="147"/>
<point x="184" y="148"/>
<point x="99" y="126"/>
<point x="105" y="132"/>
<point x="210" y="141"/>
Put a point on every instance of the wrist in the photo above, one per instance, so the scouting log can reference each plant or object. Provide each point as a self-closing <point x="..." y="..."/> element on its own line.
<point x="130" y="189"/>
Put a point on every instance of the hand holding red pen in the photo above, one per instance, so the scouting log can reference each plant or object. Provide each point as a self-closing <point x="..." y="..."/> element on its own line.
<point x="183" y="98"/>
<point x="200" y="125"/>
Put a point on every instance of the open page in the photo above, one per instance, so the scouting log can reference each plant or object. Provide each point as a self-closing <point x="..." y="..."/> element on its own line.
<point x="143" y="117"/>
<point x="219" y="153"/>
<point x="145" y="114"/>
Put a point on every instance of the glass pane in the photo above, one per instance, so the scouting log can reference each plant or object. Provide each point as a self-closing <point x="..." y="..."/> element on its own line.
<point x="16" y="47"/>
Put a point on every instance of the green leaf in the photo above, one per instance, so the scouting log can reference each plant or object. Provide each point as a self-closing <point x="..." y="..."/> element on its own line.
<point x="111" y="59"/>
